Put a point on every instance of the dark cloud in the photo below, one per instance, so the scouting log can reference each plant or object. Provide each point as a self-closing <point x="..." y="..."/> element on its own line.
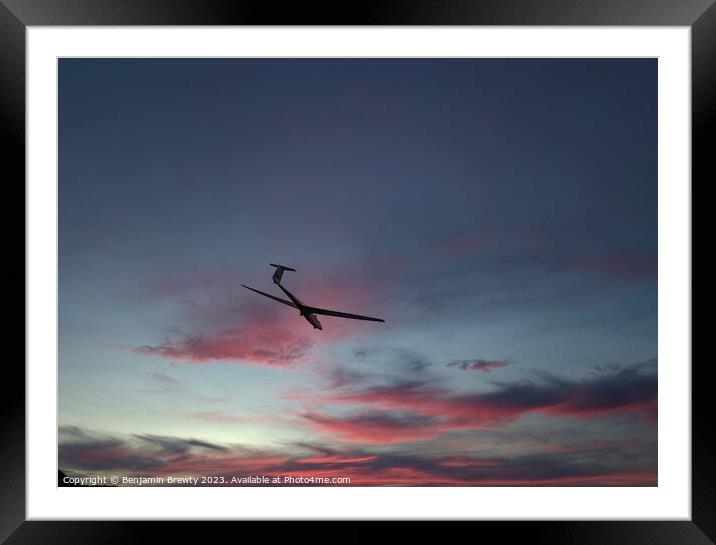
<point x="338" y="376"/>
<point x="83" y="450"/>
<point x="399" y="359"/>
<point x="630" y="389"/>
<point x="79" y="449"/>
<point x="478" y="365"/>
<point x="153" y="456"/>
<point x="173" y="445"/>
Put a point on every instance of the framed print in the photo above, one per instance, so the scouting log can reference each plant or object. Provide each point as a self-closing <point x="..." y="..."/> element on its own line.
<point x="422" y="265"/>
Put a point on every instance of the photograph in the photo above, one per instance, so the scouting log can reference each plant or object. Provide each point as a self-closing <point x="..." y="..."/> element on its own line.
<point x="357" y="272"/>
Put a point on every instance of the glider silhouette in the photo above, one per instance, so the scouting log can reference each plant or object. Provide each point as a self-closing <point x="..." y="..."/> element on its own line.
<point x="309" y="313"/>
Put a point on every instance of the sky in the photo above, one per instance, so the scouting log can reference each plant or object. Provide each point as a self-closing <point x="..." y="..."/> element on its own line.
<point x="499" y="214"/>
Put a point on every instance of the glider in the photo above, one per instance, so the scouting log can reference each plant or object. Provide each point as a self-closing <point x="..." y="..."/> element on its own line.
<point x="308" y="312"/>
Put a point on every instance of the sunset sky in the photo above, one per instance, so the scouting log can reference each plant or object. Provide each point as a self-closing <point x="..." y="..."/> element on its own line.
<point x="499" y="214"/>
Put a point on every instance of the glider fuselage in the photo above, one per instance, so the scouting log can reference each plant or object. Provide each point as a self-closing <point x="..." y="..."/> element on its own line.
<point x="312" y="319"/>
<point x="307" y="314"/>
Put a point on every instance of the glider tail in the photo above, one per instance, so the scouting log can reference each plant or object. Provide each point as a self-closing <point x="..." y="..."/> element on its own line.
<point x="278" y="274"/>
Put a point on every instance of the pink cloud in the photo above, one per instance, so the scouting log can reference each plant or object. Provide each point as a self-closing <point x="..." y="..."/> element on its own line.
<point x="258" y="331"/>
<point x="375" y="428"/>
<point x="249" y="345"/>
<point x="337" y="459"/>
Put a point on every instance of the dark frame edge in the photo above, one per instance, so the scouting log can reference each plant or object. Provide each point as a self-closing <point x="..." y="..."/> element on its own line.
<point x="12" y="402"/>
<point x="703" y="116"/>
<point x="702" y="528"/>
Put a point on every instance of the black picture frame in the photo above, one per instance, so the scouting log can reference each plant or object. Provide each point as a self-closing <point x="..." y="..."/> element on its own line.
<point x="16" y="15"/>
